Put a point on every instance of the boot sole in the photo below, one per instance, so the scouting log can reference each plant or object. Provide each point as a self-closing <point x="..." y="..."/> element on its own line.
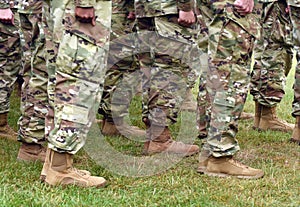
<point x="224" y="175"/>
<point x="276" y="130"/>
<point x="77" y="184"/>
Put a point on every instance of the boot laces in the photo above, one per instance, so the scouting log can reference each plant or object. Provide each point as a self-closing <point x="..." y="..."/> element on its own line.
<point x="238" y="164"/>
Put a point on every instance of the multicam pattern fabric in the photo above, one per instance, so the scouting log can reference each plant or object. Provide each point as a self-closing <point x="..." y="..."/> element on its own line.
<point x="34" y="100"/>
<point x="79" y="71"/>
<point x="9" y="59"/>
<point x="145" y="8"/>
<point x="295" y="17"/>
<point x="121" y="74"/>
<point x="203" y="100"/>
<point x="273" y="55"/>
<point x="169" y="60"/>
<point x="30" y="6"/>
<point x="231" y="39"/>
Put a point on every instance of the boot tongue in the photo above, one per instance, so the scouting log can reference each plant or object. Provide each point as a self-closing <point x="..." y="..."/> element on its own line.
<point x="160" y="133"/>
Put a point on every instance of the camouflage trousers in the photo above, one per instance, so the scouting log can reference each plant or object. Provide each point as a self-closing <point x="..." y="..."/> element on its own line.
<point x="79" y="59"/>
<point x="203" y="101"/>
<point x="9" y="60"/>
<point x="272" y="55"/>
<point x="169" y="62"/>
<point x="34" y="89"/>
<point x="122" y="77"/>
<point x="230" y="46"/>
<point x="295" y="17"/>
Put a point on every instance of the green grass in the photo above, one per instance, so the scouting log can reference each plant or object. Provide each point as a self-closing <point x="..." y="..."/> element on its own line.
<point x="178" y="186"/>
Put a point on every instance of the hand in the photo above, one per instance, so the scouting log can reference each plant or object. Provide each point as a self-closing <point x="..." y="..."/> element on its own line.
<point x="244" y="7"/>
<point x="186" y="18"/>
<point x="131" y="15"/>
<point x="287" y="9"/>
<point x="85" y="15"/>
<point x="6" y="16"/>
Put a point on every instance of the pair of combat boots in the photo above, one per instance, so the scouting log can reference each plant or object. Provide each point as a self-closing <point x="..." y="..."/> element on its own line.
<point x="28" y="151"/>
<point x="159" y="138"/>
<point x="58" y="167"/>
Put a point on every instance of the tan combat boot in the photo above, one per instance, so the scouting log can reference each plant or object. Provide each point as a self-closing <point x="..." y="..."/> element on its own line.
<point x="189" y="103"/>
<point x="46" y="167"/>
<point x="227" y="166"/>
<point x="32" y="152"/>
<point x="161" y="141"/>
<point x="203" y="161"/>
<point x="120" y="128"/>
<point x="60" y="171"/>
<point x="270" y="121"/>
<point x="5" y="130"/>
<point x="202" y="129"/>
<point x="109" y="129"/>
<point x="296" y="132"/>
<point x="257" y="115"/>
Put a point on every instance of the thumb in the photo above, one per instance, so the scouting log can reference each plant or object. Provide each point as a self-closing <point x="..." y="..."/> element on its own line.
<point x="93" y="21"/>
<point x="13" y="20"/>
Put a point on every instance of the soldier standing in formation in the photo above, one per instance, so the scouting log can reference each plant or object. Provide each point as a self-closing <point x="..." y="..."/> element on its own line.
<point x="80" y="42"/>
<point x="227" y="85"/>
<point x="122" y="71"/>
<point x="34" y="101"/>
<point x="294" y="10"/>
<point x="10" y="56"/>
<point x="272" y="62"/>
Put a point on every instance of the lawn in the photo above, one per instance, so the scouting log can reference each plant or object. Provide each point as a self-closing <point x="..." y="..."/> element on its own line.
<point x="132" y="180"/>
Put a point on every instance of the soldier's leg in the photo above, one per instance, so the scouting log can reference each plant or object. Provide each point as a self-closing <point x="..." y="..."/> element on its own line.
<point x="165" y="84"/>
<point x="76" y="95"/>
<point x="34" y="89"/>
<point x="273" y="57"/>
<point x="203" y="107"/>
<point x="295" y="17"/>
<point x="122" y="79"/>
<point x="229" y="76"/>
<point x="10" y="65"/>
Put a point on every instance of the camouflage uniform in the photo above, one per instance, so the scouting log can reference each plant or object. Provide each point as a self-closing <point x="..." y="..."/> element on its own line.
<point x="80" y="63"/>
<point x="272" y="53"/>
<point x="295" y="18"/>
<point x="230" y="46"/>
<point x="9" y="56"/>
<point x="166" y="50"/>
<point x="122" y="63"/>
<point x="34" y="89"/>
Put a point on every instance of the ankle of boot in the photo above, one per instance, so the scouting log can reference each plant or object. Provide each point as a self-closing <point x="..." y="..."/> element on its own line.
<point x="160" y="133"/>
<point x="3" y="119"/>
<point x="297" y="124"/>
<point x="58" y="161"/>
